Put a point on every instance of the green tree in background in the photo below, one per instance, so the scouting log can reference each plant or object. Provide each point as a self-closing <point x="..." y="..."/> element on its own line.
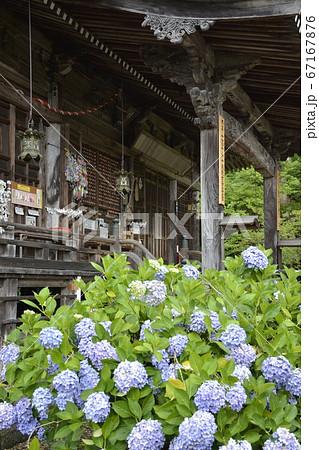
<point x="244" y="196"/>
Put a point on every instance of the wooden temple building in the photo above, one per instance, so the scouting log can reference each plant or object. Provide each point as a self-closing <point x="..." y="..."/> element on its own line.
<point x="173" y="93"/>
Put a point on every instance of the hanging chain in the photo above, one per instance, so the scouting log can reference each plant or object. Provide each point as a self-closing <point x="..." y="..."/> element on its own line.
<point x="31" y="122"/>
<point x="122" y="120"/>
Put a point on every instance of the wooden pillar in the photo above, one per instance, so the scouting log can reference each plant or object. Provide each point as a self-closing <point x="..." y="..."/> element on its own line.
<point x="171" y="243"/>
<point x="52" y="173"/>
<point x="12" y="152"/>
<point x="194" y="243"/>
<point x="8" y="309"/>
<point x="211" y="210"/>
<point x="271" y="216"/>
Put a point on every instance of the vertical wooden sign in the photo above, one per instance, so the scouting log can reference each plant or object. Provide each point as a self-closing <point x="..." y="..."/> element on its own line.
<point x="278" y="198"/>
<point x="221" y="160"/>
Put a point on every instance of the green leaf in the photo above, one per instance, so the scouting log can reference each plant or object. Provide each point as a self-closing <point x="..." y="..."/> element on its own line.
<point x="135" y="407"/>
<point x="110" y="424"/>
<point x="147" y="404"/>
<point x="182" y="397"/>
<point x="35" y="444"/>
<point x="65" y="347"/>
<point x="122" y="408"/>
<point x="195" y="362"/>
<point x="252" y="436"/>
<point x="97" y="433"/>
<point x="73" y="364"/>
<point x="291" y="412"/>
<point x="62" y="432"/>
<point x="30" y="303"/>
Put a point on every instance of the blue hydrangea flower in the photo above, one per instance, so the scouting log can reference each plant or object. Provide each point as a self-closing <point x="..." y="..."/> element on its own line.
<point x="137" y="289"/>
<point x="177" y="344"/>
<point x="282" y="439"/>
<point x="233" y="314"/>
<point x="62" y="398"/>
<point x="236" y="396"/>
<point x="53" y="367"/>
<point x="243" y="355"/>
<point x="89" y="378"/>
<point x="160" y="275"/>
<point x="8" y="353"/>
<point x="97" y="407"/>
<point x="101" y="350"/>
<point x="66" y="382"/>
<point x="107" y="326"/>
<point x="50" y="337"/>
<point x="254" y="258"/>
<point x="233" y="336"/>
<point x="146" y="325"/>
<point x="42" y="399"/>
<point x="85" y="328"/>
<point x="292" y="400"/>
<point x="130" y="374"/>
<point x="84" y="346"/>
<point x="171" y="371"/>
<point x="26" y="422"/>
<point x="210" y="396"/>
<point x="276" y="369"/>
<point x="41" y="434"/>
<point x="241" y="372"/>
<point x="155" y="292"/>
<point x="191" y="271"/>
<point x="164" y="363"/>
<point x="195" y="433"/>
<point x="214" y="317"/>
<point x="146" y="435"/>
<point x="197" y="322"/>
<point x="7" y="415"/>
<point x="293" y="383"/>
<point x="239" y="445"/>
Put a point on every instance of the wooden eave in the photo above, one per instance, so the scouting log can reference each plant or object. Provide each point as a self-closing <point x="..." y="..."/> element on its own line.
<point x="273" y="37"/>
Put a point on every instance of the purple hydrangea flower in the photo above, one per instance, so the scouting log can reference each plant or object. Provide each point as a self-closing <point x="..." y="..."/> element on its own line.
<point x="243" y="355"/>
<point x="197" y="322"/>
<point x="89" y="378"/>
<point x="85" y="328"/>
<point x="195" y="433"/>
<point x="66" y="382"/>
<point x="146" y="435"/>
<point x="177" y="344"/>
<point x="7" y="415"/>
<point x="160" y="275"/>
<point x="8" y="353"/>
<point x="50" y="337"/>
<point x="233" y="336"/>
<point x="101" y="350"/>
<point x="130" y="374"/>
<point x="236" y="396"/>
<point x="239" y="445"/>
<point x="282" y="439"/>
<point x="97" y="407"/>
<point x="42" y="399"/>
<point x="241" y="372"/>
<point x="164" y="363"/>
<point x="254" y="258"/>
<point x="26" y="422"/>
<point x="210" y="396"/>
<point x="155" y="292"/>
<point x="293" y="383"/>
<point x="276" y="369"/>
<point x="191" y="271"/>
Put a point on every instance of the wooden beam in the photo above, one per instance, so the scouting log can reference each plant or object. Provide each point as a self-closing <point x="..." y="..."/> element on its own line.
<point x="247" y="145"/>
<point x="244" y="104"/>
<point x="235" y="9"/>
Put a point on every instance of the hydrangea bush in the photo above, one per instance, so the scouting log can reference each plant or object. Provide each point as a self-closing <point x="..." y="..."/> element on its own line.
<point x="180" y="361"/>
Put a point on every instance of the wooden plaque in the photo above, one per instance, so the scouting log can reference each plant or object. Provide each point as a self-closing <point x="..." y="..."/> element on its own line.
<point x="221" y="160"/>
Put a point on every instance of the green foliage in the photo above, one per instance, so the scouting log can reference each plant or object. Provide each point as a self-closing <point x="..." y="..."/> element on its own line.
<point x="267" y="311"/>
<point x="244" y="196"/>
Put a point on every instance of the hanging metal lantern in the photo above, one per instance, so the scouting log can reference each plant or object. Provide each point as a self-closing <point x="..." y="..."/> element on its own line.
<point x="122" y="181"/>
<point x="193" y="206"/>
<point x="30" y="144"/>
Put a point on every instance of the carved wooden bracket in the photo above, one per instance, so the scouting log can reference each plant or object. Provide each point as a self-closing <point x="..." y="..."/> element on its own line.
<point x="174" y="28"/>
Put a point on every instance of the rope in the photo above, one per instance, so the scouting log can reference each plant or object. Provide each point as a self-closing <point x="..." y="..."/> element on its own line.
<point x="76" y="113"/>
